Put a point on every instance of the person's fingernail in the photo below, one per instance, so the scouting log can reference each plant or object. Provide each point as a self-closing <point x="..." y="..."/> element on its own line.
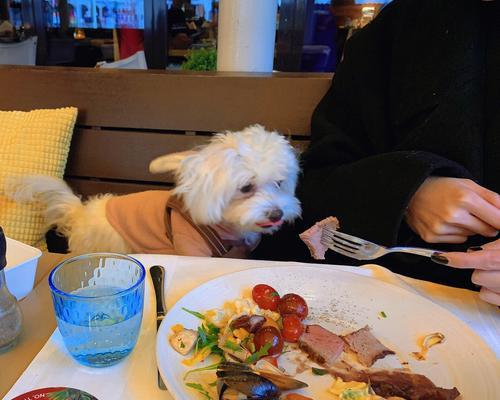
<point x="440" y="259"/>
<point x="475" y="248"/>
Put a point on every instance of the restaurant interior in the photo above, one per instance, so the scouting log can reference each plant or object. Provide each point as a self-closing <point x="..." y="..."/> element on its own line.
<point x="165" y="167"/>
<point x="85" y="33"/>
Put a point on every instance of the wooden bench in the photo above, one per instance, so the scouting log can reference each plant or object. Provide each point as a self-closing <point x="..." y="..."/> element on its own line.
<point x="126" y="118"/>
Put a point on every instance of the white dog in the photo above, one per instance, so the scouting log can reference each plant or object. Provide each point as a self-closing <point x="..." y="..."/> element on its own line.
<point x="239" y="185"/>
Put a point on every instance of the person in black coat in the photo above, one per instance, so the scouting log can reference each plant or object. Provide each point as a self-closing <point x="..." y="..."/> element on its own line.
<point x="405" y="146"/>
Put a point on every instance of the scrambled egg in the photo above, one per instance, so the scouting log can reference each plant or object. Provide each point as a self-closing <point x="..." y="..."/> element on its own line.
<point x="352" y="391"/>
<point x="198" y="357"/>
<point x="220" y="317"/>
<point x="177" y="328"/>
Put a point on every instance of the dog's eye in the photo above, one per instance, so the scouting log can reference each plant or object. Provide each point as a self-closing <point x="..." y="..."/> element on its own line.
<point x="279" y="183"/>
<point x="247" y="188"/>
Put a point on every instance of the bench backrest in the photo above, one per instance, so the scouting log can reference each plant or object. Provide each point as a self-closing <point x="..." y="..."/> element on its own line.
<point x="126" y="118"/>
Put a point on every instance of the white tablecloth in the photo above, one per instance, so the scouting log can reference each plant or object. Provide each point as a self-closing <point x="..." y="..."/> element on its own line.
<point x="135" y="377"/>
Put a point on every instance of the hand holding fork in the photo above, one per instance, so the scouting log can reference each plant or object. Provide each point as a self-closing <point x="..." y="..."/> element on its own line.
<point x="360" y="249"/>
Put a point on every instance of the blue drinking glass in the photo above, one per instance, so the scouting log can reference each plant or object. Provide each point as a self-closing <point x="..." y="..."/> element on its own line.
<point x="98" y="300"/>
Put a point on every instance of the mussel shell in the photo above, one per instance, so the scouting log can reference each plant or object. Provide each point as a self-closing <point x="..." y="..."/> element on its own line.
<point x="250" y="384"/>
<point x="282" y="381"/>
<point x="233" y="366"/>
<point x="226" y="393"/>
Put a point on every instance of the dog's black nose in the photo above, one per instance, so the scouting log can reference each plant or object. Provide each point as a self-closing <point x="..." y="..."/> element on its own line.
<point x="275" y="215"/>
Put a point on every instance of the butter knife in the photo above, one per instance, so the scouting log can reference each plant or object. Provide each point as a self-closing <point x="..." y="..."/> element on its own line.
<point x="157" y="273"/>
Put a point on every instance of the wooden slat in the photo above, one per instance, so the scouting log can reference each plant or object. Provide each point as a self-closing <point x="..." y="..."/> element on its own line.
<point x="167" y="100"/>
<point x="92" y="187"/>
<point x="125" y="155"/>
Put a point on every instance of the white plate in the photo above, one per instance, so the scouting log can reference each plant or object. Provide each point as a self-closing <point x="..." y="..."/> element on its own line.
<point x="342" y="301"/>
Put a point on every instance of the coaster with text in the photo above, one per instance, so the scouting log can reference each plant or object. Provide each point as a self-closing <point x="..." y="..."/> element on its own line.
<point x="56" y="393"/>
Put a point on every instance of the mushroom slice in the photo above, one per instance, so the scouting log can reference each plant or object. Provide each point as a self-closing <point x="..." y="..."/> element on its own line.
<point x="183" y="341"/>
<point x="231" y="349"/>
<point x="282" y="380"/>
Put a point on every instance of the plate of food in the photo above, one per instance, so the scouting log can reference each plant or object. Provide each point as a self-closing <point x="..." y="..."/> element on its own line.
<point x="296" y="333"/>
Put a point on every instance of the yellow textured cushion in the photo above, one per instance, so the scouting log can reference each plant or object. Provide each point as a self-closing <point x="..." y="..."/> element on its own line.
<point x="34" y="142"/>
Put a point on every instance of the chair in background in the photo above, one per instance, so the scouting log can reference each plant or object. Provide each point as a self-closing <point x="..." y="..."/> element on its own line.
<point x="128" y="41"/>
<point x="136" y="61"/>
<point x="319" y="52"/>
<point x="316" y="58"/>
<point x="19" y="53"/>
<point x="61" y="51"/>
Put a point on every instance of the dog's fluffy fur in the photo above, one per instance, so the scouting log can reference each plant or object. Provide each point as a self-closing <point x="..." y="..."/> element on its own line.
<point x="243" y="180"/>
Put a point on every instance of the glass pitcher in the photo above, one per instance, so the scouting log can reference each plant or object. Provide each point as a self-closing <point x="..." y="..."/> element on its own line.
<point x="10" y="313"/>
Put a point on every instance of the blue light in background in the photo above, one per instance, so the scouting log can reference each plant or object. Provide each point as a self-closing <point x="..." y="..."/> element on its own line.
<point x="106" y="14"/>
<point x="110" y="14"/>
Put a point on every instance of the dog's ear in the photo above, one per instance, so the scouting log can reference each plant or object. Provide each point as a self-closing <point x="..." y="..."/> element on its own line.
<point x="207" y="181"/>
<point x="169" y="162"/>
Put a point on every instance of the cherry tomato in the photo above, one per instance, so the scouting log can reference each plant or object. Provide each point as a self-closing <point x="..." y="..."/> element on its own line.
<point x="266" y="297"/>
<point x="292" y="328"/>
<point x="271" y="360"/>
<point x="269" y="335"/>
<point x="292" y="303"/>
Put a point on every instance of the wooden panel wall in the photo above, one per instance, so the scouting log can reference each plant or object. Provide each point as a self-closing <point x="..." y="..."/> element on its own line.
<point x="123" y="155"/>
<point x="163" y="100"/>
<point x="126" y="118"/>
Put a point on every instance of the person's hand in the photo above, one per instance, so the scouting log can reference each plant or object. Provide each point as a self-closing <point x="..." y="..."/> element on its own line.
<point x="449" y="210"/>
<point x="485" y="261"/>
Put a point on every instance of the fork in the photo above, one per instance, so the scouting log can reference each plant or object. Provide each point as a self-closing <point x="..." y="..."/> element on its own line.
<point x="360" y="249"/>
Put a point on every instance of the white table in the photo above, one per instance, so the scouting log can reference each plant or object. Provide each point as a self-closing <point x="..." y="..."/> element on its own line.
<point x="135" y="378"/>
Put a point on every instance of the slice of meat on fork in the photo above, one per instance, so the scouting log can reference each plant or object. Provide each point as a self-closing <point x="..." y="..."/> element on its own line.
<point x="312" y="237"/>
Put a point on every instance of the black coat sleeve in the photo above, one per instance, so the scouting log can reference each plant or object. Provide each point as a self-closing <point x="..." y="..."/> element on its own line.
<point x="370" y="196"/>
<point x="353" y="168"/>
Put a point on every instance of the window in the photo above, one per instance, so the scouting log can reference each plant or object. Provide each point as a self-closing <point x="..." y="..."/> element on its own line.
<point x="96" y="14"/>
<point x="310" y="35"/>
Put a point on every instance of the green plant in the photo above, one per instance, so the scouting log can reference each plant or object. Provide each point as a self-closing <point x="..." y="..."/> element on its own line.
<point x="201" y="60"/>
